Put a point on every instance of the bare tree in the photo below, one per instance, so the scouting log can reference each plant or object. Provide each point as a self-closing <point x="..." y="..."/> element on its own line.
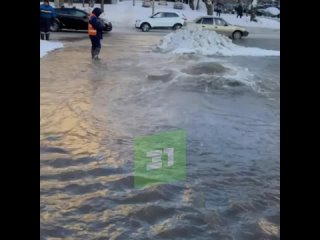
<point x="191" y="4"/>
<point x="209" y="7"/>
<point x="102" y="5"/>
<point x="198" y="5"/>
<point x="253" y="10"/>
<point x="70" y="2"/>
<point x="58" y="3"/>
<point x="152" y="7"/>
<point x="83" y="1"/>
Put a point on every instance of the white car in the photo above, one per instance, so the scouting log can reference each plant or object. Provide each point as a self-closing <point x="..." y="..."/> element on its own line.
<point x="172" y="20"/>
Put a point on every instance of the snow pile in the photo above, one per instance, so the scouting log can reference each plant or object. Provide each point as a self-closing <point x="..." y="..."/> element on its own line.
<point x="272" y="10"/>
<point x="46" y="46"/>
<point x="196" y="40"/>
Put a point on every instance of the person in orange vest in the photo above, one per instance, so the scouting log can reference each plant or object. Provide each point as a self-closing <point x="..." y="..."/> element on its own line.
<point x="95" y="31"/>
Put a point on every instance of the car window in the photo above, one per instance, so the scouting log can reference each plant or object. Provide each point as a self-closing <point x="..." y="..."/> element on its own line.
<point x="171" y="15"/>
<point x="199" y="20"/>
<point x="63" y="11"/>
<point x="59" y="11"/>
<point x="158" y="15"/>
<point x="77" y="13"/>
<point x="220" y="22"/>
<point x="207" y="21"/>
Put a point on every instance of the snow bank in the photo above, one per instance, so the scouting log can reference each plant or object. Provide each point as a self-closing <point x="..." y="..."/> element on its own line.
<point x="46" y="46"/>
<point x="196" y="40"/>
<point x="262" y="22"/>
<point x="272" y="10"/>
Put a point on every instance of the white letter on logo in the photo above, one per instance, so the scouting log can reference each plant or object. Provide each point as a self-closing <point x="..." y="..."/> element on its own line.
<point x="169" y="151"/>
<point x="156" y="160"/>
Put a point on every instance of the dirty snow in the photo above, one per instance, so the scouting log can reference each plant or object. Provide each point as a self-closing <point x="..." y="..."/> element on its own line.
<point x="47" y="46"/>
<point x="196" y="40"/>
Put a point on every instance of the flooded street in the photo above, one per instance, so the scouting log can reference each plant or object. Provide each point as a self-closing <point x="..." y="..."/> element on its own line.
<point x="90" y="114"/>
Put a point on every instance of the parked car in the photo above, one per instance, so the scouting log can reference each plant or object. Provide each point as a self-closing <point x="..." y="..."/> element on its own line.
<point x="270" y="12"/>
<point x="229" y="8"/>
<point x="172" y="20"/>
<point x="219" y="25"/>
<point x="163" y="2"/>
<point x="146" y="3"/>
<point x="178" y="5"/>
<point x="74" y="19"/>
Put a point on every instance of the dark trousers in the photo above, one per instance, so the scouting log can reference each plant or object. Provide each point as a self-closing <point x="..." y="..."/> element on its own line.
<point x="95" y="46"/>
<point x="45" y="28"/>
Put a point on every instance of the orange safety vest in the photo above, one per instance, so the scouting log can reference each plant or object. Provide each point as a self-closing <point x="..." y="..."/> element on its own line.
<point x="91" y="30"/>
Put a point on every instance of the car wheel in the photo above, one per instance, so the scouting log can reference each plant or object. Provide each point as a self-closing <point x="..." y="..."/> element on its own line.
<point x="145" y="27"/>
<point x="55" y="27"/>
<point x="237" y="35"/>
<point x="177" y="26"/>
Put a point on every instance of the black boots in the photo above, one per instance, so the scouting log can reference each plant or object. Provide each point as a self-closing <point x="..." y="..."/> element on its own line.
<point x="92" y="53"/>
<point x="42" y="35"/>
<point x="95" y="53"/>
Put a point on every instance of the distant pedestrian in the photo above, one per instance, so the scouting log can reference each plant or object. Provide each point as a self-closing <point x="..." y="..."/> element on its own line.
<point x="239" y="11"/>
<point x="47" y="16"/>
<point x="249" y="10"/>
<point x="219" y="9"/>
<point x="91" y="3"/>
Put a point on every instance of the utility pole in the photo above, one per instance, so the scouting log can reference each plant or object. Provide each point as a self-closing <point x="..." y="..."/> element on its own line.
<point x="152" y="7"/>
<point x="56" y="3"/>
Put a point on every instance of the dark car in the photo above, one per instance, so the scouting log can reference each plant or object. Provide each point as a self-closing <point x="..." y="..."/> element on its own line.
<point x="74" y="19"/>
<point x="229" y="8"/>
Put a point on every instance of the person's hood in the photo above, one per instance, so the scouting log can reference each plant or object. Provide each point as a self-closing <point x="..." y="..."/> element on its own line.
<point x="97" y="12"/>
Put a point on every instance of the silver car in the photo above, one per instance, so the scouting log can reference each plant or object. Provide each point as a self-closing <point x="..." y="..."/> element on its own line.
<point x="146" y="3"/>
<point x="219" y="25"/>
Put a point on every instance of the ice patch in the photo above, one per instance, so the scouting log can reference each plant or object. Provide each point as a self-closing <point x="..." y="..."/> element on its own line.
<point x="46" y="46"/>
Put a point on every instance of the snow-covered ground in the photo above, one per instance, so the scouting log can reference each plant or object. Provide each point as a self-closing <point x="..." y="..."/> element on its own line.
<point x="47" y="46"/>
<point x="196" y="40"/>
<point x="124" y="14"/>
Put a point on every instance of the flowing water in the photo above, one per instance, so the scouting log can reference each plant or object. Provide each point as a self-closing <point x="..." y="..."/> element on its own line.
<point x="91" y="113"/>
